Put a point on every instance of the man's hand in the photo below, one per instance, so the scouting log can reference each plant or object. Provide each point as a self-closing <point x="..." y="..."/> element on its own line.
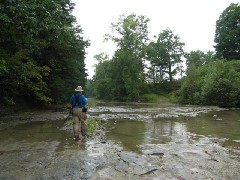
<point x="84" y="109"/>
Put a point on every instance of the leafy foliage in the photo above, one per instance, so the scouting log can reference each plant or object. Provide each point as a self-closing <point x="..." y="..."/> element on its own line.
<point x="122" y="77"/>
<point x="170" y="53"/>
<point x="152" y="98"/>
<point x="142" y="71"/>
<point x="227" y="36"/>
<point x="211" y="82"/>
<point x="217" y="83"/>
<point x="41" y="51"/>
<point x="165" y="56"/>
<point x="102" y="81"/>
<point x="190" y="91"/>
<point x="199" y="58"/>
<point x="222" y="86"/>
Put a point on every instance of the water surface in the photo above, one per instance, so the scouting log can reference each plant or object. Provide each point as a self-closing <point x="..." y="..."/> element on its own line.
<point x="164" y="141"/>
<point x="220" y="126"/>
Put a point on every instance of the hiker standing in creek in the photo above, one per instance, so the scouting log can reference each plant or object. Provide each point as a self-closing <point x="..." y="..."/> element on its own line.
<point x="79" y="105"/>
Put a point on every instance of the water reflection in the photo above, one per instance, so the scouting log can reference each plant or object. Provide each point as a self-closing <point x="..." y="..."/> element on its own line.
<point x="129" y="133"/>
<point x="47" y="131"/>
<point x="221" y="126"/>
<point x="35" y="131"/>
<point x="133" y="126"/>
<point x="226" y="124"/>
<point x="132" y="134"/>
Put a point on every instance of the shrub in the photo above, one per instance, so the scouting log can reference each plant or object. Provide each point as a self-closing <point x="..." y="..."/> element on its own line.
<point x="150" y="98"/>
<point x="217" y="83"/>
<point x="222" y="86"/>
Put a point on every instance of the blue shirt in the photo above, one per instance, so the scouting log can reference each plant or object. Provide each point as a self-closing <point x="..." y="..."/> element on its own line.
<point x="82" y="100"/>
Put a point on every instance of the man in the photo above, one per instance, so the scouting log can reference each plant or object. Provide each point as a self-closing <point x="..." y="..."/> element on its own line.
<point x="79" y="103"/>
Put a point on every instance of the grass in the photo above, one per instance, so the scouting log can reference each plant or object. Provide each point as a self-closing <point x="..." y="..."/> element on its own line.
<point x="92" y="102"/>
<point x="150" y="98"/>
<point x="92" y="125"/>
<point x="154" y="98"/>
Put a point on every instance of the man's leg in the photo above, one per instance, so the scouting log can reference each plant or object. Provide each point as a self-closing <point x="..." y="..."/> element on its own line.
<point x="76" y="124"/>
<point x="83" y="123"/>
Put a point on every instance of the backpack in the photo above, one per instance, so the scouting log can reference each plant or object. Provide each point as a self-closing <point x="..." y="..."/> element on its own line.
<point x="84" y="109"/>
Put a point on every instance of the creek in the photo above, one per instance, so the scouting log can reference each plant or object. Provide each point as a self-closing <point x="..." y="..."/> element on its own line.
<point x="134" y="141"/>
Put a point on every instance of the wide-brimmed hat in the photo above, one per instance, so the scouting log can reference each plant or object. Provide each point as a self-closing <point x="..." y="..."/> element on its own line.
<point x="79" y="88"/>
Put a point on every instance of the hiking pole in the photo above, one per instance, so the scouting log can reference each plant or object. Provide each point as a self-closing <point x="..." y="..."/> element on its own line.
<point x="66" y="117"/>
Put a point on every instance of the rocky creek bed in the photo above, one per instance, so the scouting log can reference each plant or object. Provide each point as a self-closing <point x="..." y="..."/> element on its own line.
<point x="133" y="141"/>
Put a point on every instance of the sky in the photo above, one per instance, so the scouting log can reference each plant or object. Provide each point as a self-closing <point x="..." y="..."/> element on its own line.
<point x="194" y="21"/>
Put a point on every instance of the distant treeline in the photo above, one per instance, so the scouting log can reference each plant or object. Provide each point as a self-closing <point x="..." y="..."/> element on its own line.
<point x="41" y="52"/>
<point x="140" y="66"/>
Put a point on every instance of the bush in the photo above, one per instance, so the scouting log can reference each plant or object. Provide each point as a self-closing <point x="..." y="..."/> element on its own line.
<point x="149" y="98"/>
<point x="222" y="86"/>
<point x="217" y="83"/>
<point x="190" y="91"/>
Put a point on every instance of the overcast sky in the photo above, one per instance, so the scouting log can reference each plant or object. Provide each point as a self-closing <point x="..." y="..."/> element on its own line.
<point x="192" y="20"/>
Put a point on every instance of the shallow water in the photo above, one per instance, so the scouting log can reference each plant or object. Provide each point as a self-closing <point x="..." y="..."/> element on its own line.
<point x="133" y="125"/>
<point x="134" y="134"/>
<point x="221" y="126"/>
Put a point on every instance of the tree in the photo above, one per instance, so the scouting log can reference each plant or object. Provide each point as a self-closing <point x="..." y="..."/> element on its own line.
<point x="227" y="36"/>
<point x="222" y="85"/>
<point x="102" y="77"/>
<point x="167" y="53"/>
<point x="127" y="65"/>
<point x="190" y="91"/>
<point x="157" y="66"/>
<point x="216" y="83"/>
<point x="41" y="51"/>
<point x="199" y="58"/>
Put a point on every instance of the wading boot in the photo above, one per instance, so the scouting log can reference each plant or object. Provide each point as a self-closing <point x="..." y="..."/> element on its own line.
<point x="76" y="138"/>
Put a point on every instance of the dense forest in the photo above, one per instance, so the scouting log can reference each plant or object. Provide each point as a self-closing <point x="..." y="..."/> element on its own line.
<point x="42" y="52"/>
<point x="142" y="69"/>
<point x="42" y="59"/>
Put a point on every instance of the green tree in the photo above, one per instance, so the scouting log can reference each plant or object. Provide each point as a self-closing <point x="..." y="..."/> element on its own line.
<point x="20" y="77"/>
<point x="128" y="76"/>
<point x="41" y="51"/>
<point x="199" y="58"/>
<point x="156" y="70"/>
<point x="190" y="91"/>
<point x="89" y="92"/>
<point x="167" y="54"/>
<point x="227" y="36"/>
<point x="217" y="83"/>
<point x="222" y="85"/>
<point x="102" y="77"/>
